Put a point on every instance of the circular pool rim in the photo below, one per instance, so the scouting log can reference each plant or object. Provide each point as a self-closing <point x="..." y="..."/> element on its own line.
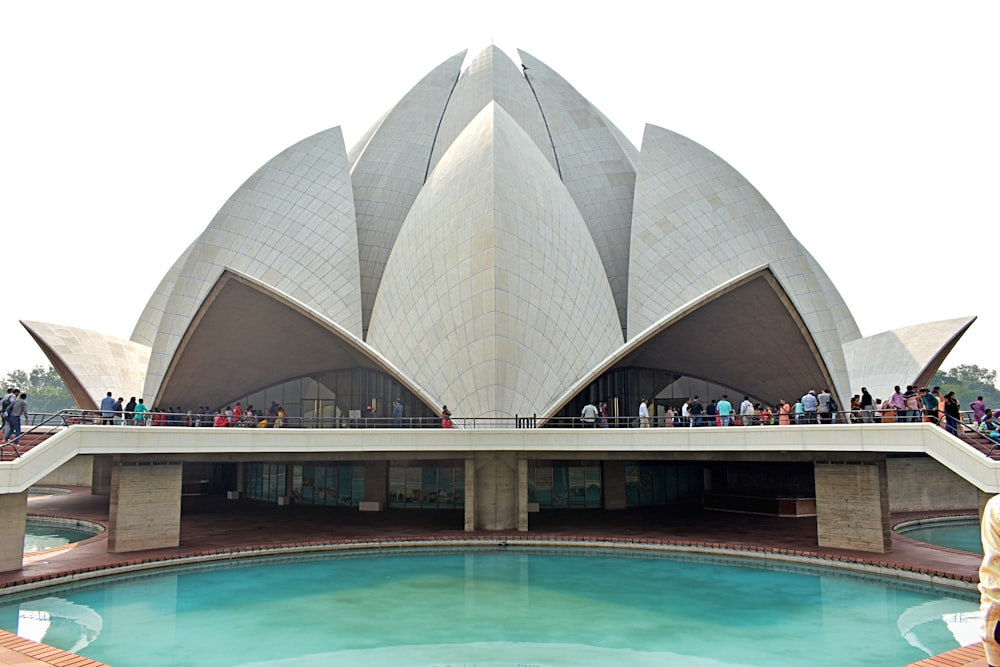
<point x="82" y="525"/>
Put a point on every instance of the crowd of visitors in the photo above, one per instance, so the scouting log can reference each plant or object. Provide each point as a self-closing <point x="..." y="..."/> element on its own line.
<point x="916" y="404"/>
<point x="137" y="413"/>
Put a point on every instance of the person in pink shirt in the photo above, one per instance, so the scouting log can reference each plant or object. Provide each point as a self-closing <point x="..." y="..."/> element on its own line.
<point x="978" y="410"/>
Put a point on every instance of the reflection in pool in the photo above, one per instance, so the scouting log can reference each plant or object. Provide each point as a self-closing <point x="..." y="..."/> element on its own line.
<point x="960" y="533"/>
<point x="498" y="608"/>
<point x="46" y="533"/>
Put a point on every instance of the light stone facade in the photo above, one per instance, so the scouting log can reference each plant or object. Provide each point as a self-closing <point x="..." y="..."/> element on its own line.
<point x="495" y="243"/>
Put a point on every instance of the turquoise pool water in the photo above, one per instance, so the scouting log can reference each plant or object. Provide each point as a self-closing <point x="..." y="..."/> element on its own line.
<point x="962" y="534"/>
<point x="40" y="534"/>
<point x="505" y="607"/>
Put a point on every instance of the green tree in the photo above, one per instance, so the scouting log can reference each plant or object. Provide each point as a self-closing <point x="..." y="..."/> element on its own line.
<point x="969" y="382"/>
<point x="47" y="393"/>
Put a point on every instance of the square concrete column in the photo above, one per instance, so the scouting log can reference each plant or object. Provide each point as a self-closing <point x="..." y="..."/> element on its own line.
<point x="13" y="515"/>
<point x="497" y="491"/>
<point x="100" y="477"/>
<point x="614" y="485"/>
<point x="376" y="481"/>
<point x="470" y="495"/>
<point x="852" y="506"/>
<point x="145" y="511"/>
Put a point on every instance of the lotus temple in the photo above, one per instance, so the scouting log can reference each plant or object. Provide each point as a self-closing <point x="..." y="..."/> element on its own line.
<point x="494" y="244"/>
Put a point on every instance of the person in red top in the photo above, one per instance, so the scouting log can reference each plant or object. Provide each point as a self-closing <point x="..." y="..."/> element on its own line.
<point x="237" y="416"/>
<point x="221" y="420"/>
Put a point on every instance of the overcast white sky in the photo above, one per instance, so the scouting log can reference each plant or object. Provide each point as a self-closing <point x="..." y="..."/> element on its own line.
<point x="872" y="127"/>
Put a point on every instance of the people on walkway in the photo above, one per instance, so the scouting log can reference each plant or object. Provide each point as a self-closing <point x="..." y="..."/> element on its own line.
<point x="141" y="413"/>
<point x="697" y="411"/>
<point x="643" y="414"/>
<point x="589" y="415"/>
<point x="824" y="406"/>
<point x="397" y="413"/>
<point x="725" y="410"/>
<point x="867" y="406"/>
<point x="952" y="412"/>
<point x="978" y="410"/>
<point x="602" y="415"/>
<point x="17" y="412"/>
<point x="445" y="417"/>
<point x="107" y="410"/>
<point x="809" y="407"/>
<point x="746" y="411"/>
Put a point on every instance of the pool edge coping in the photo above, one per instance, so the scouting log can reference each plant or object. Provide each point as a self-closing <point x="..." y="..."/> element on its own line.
<point x="871" y="567"/>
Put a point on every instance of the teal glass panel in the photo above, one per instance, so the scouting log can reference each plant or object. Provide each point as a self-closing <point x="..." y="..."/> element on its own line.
<point x="592" y="488"/>
<point x="308" y="487"/>
<point x="430" y="488"/>
<point x="414" y="494"/>
<point x="631" y="485"/>
<point x="576" y="486"/>
<point x="345" y="486"/>
<point x="560" y="487"/>
<point x="397" y="486"/>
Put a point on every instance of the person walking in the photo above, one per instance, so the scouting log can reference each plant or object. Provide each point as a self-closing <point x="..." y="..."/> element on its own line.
<point x="17" y="412"/>
<point x="589" y="415"/>
<point x="108" y="410"/>
<point x="643" y="414"/>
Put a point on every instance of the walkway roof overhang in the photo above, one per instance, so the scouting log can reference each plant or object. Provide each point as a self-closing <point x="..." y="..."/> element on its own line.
<point x="745" y="334"/>
<point x="246" y="336"/>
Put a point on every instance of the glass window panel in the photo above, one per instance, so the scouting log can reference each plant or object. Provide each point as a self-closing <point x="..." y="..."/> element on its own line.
<point x="560" y="487"/>
<point x="414" y="477"/>
<point x="397" y="486"/>
<point x="344" y="486"/>
<point x="592" y="492"/>
<point x="576" y="486"/>
<point x="632" y="485"/>
<point x="429" y="485"/>
<point x="319" y="485"/>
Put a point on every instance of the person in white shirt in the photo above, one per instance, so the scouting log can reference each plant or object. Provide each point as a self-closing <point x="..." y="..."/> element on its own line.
<point x="643" y="414"/>
<point x="746" y="411"/>
<point x="589" y="415"/>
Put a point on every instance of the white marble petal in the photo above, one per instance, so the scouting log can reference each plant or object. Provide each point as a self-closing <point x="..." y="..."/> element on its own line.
<point x="698" y="223"/>
<point x="91" y="363"/>
<point x="495" y="298"/>
<point x="292" y="226"/>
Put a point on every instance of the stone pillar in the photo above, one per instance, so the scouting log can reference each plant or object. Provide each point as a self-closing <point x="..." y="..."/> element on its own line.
<point x="613" y="487"/>
<point x="100" y="478"/>
<point x="852" y="506"/>
<point x="376" y="482"/>
<point x="497" y="491"/>
<point x="470" y="495"/>
<point x="145" y="510"/>
<point x="13" y="515"/>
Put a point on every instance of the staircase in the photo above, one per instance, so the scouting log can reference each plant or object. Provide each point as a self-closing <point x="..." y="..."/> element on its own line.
<point x="980" y="443"/>
<point x="11" y="452"/>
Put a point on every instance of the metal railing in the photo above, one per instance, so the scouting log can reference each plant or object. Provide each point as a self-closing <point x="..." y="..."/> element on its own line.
<point x="155" y="419"/>
<point x="36" y="422"/>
